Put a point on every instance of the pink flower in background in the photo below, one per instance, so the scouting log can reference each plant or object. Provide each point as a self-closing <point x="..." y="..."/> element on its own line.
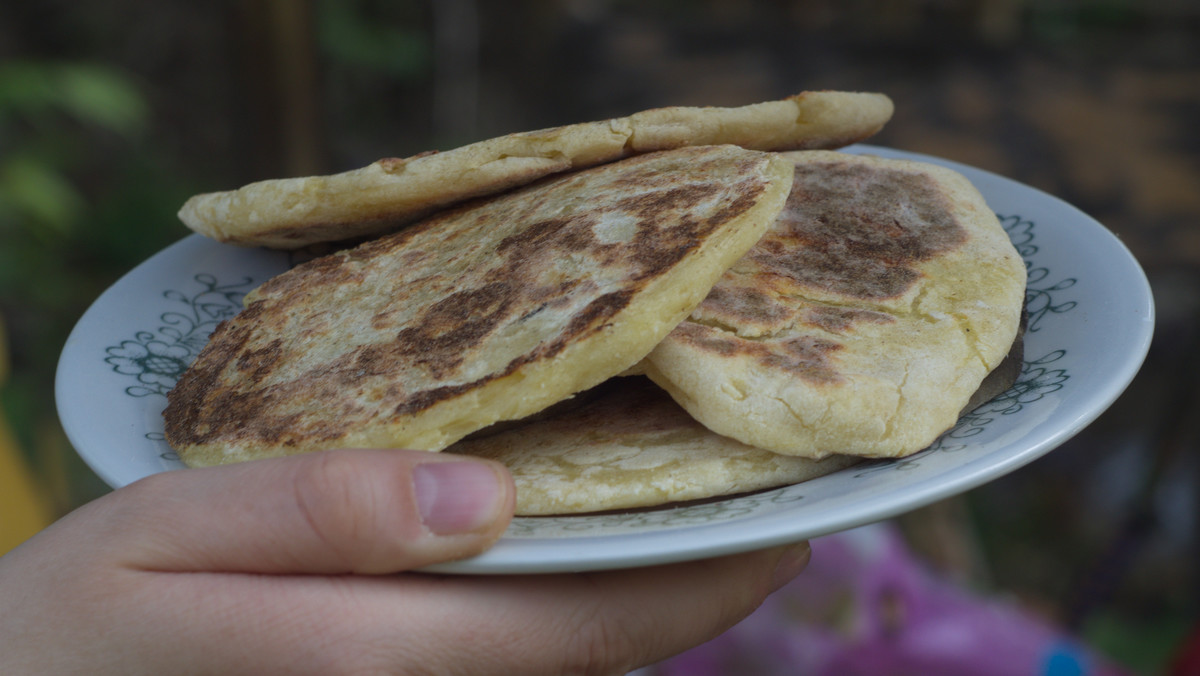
<point x="866" y="606"/>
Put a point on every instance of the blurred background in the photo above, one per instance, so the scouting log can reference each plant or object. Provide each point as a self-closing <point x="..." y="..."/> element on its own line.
<point x="112" y="113"/>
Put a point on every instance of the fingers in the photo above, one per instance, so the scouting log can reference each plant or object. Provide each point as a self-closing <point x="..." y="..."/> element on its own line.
<point x="352" y="511"/>
<point x="371" y="512"/>
<point x="607" y="622"/>
<point x="616" y="621"/>
<point x="597" y="623"/>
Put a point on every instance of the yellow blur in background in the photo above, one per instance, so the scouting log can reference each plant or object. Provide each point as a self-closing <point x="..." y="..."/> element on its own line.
<point x="24" y="505"/>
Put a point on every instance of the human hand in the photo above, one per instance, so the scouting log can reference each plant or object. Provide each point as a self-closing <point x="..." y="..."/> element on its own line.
<point x="292" y="566"/>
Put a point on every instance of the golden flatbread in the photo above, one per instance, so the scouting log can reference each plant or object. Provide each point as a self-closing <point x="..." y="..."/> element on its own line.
<point x="487" y="312"/>
<point x="862" y="321"/>
<point x="628" y="445"/>
<point x="295" y="212"/>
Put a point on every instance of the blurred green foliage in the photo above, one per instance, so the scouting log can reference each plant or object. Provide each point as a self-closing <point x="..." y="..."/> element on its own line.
<point x="80" y="202"/>
<point x="45" y="110"/>
<point x="1141" y="644"/>
<point x="354" y="36"/>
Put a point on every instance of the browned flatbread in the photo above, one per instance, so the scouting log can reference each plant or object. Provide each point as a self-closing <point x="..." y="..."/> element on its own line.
<point x="488" y="312"/>
<point x="295" y="212"/>
<point x="862" y="321"/>
<point x="628" y="445"/>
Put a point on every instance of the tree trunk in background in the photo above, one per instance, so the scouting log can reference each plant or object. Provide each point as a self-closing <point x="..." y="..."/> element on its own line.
<point x="280" y="92"/>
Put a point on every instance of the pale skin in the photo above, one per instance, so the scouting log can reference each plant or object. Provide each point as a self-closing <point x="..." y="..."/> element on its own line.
<point x="298" y="566"/>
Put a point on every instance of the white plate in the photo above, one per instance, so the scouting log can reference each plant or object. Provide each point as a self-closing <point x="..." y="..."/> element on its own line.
<point x="1091" y="318"/>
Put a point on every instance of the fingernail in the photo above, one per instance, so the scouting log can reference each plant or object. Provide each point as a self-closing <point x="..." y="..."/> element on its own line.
<point x="456" y="496"/>
<point x="794" y="559"/>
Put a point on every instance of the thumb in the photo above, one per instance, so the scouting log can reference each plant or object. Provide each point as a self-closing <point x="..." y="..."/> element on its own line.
<point x="347" y="511"/>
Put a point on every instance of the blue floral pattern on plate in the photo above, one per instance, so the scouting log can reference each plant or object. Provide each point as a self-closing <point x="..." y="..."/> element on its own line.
<point x="157" y="358"/>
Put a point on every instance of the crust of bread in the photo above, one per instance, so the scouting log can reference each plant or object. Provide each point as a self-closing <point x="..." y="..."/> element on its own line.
<point x="861" y="323"/>
<point x="628" y="446"/>
<point x="487" y="312"/>
<point x="292" y="213"/>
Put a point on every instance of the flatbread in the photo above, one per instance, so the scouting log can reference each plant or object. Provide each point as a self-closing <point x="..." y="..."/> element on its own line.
<point x="487" y="312"/>
<point x="295" y="212"/>
<point x="628" y="445"/>
<point x="862" y="321"/>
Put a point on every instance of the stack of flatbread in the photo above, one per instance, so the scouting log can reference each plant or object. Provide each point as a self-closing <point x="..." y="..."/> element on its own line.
<point x="676" y="305"/>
